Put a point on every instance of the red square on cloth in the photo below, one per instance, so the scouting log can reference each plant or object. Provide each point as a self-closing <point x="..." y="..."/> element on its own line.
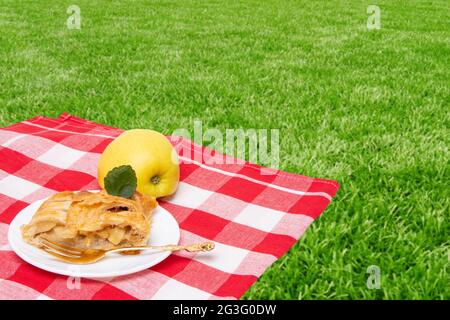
<point x="171" y="266"/>
<point x="8" y="214"/>
<point x="310" y="205"/>
<point x="242" y="189"/>
<point x="69" y="180"/>
<point x="186" y="169"/>
<point x="254" y="215"/>
<point x="204" y="224"/>
<point x="5" y="203"/>
<point x="56" y="136"/>
<point x="99" y="148"/>
<point x="12" y="161"/>
<point x="24" y="127"/>
<point x="33" y="277"/>
<point x="108" y="292"/>
<point x="275" y="244"/>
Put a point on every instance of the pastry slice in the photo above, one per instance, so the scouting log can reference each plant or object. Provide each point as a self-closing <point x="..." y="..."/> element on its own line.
<point x="87" y="220"/>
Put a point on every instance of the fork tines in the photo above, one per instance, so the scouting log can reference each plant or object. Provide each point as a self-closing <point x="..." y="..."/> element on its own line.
<point x="60" y="249"/>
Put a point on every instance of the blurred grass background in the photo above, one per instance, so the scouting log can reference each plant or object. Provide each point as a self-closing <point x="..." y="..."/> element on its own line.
<point x="368" y="108"/>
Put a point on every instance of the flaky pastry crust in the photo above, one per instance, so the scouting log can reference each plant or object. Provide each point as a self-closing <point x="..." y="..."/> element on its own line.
<point x="92" y="220"/>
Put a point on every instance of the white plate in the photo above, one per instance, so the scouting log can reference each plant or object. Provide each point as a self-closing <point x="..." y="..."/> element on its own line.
<point x="165" y="230"/>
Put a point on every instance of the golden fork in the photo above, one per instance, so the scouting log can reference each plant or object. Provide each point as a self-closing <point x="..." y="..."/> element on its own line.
<point x="79" y="256"/>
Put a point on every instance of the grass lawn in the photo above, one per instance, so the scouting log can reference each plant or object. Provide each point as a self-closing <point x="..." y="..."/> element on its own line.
<point x="367" y="108"/>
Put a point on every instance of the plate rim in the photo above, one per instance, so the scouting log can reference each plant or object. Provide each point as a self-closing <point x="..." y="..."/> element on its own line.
<point x="68" y="272"/>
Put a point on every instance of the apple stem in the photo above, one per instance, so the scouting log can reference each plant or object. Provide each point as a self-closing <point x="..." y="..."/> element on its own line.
<point x="155" y="179"/>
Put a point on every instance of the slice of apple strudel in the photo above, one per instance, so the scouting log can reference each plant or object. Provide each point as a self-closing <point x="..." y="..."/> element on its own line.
<point x="88" y="220"/>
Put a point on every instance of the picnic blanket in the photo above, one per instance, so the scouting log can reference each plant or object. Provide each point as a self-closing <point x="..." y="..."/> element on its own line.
<point x="253" y="215"/>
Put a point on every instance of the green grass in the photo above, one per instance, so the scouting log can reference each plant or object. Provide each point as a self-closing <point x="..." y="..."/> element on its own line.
<point x="368" y="108"/>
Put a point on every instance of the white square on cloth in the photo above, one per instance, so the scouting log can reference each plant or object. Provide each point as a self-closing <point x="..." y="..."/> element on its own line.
<point x="259" y="217"/>
<point x="189" y="196"/>
<point x="61" y="156"/>
<point x="16" y="187"/>
<point x="175" y="290"/>
<point x="224" y="257"/>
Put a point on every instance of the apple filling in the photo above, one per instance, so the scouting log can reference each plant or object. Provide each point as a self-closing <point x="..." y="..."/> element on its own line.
<point x="105" y="238"/>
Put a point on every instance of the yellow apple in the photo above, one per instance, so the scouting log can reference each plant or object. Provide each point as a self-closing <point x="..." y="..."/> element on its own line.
<point x="152" y="157"/>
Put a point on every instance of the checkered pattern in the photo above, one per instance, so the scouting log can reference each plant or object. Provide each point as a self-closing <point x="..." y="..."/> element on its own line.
<point x="253" y="214"/>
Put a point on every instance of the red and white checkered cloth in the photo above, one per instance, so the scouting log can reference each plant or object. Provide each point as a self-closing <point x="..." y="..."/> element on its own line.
<point x="253" y="217"/>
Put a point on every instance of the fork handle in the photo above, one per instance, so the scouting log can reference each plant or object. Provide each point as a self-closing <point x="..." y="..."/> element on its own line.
<point x="204" y="246"/>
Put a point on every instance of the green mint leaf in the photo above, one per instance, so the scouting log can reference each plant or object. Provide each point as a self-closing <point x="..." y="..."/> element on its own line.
<point x="121" y="181"/>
